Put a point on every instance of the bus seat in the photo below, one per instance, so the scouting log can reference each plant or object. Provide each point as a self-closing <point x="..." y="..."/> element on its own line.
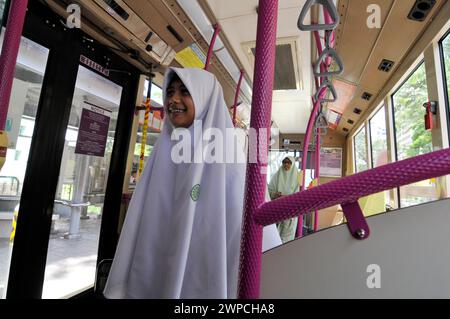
<point x="101" y="276"/>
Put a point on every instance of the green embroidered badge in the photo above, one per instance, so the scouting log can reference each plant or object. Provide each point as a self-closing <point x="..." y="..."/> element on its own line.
<point x="195" y="192"/>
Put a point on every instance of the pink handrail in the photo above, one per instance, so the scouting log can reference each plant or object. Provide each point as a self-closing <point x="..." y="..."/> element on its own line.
<point x="350" y="189"/>
<point x="255" y="188"/>
<point x="9" y="53"/>
<point x="236" y="97"/>
<point x="211" y="45"/>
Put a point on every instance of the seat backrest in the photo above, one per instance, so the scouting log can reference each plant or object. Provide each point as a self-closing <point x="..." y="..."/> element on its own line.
<point x="101" y="275"/>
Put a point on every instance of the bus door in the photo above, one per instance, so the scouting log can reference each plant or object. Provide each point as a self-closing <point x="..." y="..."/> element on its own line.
<point x="69" y="124"/>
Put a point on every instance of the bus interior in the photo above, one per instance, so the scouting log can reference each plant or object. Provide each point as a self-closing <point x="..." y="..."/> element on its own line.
<point x="360" y="99"/>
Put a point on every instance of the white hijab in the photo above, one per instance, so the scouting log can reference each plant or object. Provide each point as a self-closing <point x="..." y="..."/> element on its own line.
<point x="285" y="182"/>
<point x="180" y="240"/>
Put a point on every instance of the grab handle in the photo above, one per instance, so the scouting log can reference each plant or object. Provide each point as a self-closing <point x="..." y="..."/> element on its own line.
<point x="327" y="4"/>
<point x="329" y="52"/>
<point x="330" y="86"/>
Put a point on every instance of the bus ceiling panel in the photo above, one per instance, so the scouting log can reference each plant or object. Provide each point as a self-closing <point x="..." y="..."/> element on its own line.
<point x="122" y="27"/>
<point x="236" y="8"/>
<point x="345" y="93"/>
<point x="205" y="26"/>
<point x="98" y="33"/>
<point x="292" y="85"/>
<point x="396" y="39"/>
<point x="363" y="49"/>
<point x="291" y="116"/>
<point x="238" y="21"/>
<point x="131" y="26"/>
<point x="159" y="18"/>
<point x="356" y="41"/>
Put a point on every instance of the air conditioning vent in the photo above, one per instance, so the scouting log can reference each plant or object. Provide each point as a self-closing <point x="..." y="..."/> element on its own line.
<point x="345" y="129"/>
<point x="175" y="33"/>
<point x="386" y="65"/>
<point x="117" y="9"/>
<point x="357" y="111"/>
<point x="366" y="96"/>
<point x="421" y="9"/>
<point x="351" y="122"/>
<point x="286" y="75"/>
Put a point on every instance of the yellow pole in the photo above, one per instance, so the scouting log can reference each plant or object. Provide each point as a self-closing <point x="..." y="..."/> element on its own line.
<point x="144" y="135"/>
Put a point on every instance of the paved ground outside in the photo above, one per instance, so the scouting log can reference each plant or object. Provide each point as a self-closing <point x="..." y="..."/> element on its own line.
<point x="70" y="262"/>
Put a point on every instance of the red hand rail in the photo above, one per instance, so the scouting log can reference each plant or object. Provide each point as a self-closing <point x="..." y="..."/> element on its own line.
<point x="211" y="45"/>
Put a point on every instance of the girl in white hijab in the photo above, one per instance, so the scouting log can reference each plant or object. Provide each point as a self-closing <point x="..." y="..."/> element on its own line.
<point x="181" y="237"/>
<point x="285" y="182"/>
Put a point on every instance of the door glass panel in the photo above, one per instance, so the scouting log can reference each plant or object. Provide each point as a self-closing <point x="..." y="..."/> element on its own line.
<point x="79" y="198"/>
<point x="2" y="11"/>
<point x="23" y="105"/>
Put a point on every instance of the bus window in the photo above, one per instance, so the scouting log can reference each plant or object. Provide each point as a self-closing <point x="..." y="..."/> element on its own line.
<point x="411" y="137"/>
<point x="23" y="106"/>
<point x="360" y="149"/>
<point x="379" y="156"/>
<point x="378" y="139"/>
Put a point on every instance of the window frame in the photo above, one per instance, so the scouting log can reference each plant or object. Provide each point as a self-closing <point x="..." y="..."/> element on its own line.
<point x="445" y="81"/>
<point x="375" y="113"/>
<point x="419" y="64"/>
<point x="394" y="133"/>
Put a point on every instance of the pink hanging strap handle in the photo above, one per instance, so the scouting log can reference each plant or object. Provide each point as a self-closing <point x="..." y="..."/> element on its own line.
<point x="211" y="45"/>
<point x="9" y="54"/>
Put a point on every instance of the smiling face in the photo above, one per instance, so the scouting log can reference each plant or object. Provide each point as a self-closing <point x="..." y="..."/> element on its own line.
<point x="179" y="104"/>
<point x="287" y="164"/>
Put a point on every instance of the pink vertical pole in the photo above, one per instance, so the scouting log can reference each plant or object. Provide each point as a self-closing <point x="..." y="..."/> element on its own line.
<point x="9" y="53"/>
<point x="255" y="188"/>
<point x="211" y="45"/>
<point x="329" y="20"/>
<point x="317" y="176"/>
<point x="309" y="128"/>
<point x="236" y="97"/>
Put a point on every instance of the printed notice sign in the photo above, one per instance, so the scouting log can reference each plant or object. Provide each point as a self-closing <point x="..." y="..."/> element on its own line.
<point x="331" y="162"/>
<point x="93" y="130"/>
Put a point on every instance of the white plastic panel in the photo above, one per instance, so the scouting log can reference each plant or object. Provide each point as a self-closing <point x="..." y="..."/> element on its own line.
<point x="410" y="246"/>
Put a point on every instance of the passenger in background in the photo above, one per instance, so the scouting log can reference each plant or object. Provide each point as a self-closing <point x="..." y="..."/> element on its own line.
<point x="285" y="182"/>
<point x="182" y="233"/>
